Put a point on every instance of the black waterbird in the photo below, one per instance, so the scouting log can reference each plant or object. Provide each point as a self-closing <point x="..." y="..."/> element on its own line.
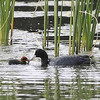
<point x="62" y="61"/>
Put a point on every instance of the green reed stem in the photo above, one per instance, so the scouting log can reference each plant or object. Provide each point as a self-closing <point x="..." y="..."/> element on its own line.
<point x="95" y="22"/>
<point x="6" y="11"/>
<point x="88" y="25"/>
<point x="12" y="23"/>
<point x="59" y="30"/>
<point x="56" y="24"/>
<point x="70" y="29"/>
<point x="82" y="25"/>
<point x="0" y="21"/>
<point x="45" y="21"/>
<point x="75" y="26"/>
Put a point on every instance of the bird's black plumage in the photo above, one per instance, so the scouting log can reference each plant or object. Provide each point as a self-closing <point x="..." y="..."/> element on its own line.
<point x="62" y="61"/>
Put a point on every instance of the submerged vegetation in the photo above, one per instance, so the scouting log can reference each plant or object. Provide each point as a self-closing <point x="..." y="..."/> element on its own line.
<point x="6" y="18"/>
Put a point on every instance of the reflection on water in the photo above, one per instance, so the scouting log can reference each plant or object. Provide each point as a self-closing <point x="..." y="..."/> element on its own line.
<point x="31" y="82"/>
<point x="28" y="82"/>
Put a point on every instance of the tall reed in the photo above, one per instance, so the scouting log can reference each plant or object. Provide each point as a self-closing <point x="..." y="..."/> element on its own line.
<point x="6" y="14"/>
<point x="56" y="31"/>
<point x="95" y="22"/>
<point x="58" y="43"/>
<point x="12" y="23"/>
<point x="45" y="22"/>
<point x="83" y="28"/>
<point x="75" y="18"/>
<point x="56" y="24"/>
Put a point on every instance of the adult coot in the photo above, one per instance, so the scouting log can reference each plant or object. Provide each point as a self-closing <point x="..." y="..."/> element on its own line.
<point x="23" y="60"/>
<point x="62" y="61"/>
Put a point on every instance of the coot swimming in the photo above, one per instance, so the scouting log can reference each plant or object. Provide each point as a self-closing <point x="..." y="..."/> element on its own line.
<point x="62" y="61"/>
<point x="23" y="60"/>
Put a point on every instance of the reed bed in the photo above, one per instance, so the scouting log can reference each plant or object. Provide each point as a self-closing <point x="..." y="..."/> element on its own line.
<point x="84" y="25"/>
<point x="6" y="17"/>
<point x="56" y="30"/>
<point x="83" y="21"/>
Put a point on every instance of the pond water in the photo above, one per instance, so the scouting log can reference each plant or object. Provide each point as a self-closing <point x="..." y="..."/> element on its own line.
<point x="31" y="82"/>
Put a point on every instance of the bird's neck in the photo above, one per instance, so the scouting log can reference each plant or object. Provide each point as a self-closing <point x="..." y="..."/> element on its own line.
<point x="44" y="62"/>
